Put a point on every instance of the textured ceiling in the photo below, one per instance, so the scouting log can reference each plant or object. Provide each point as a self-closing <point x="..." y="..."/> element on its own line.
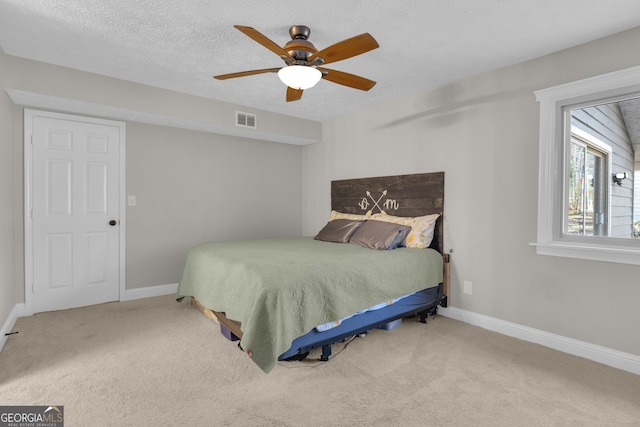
<point x="179" y="45"/>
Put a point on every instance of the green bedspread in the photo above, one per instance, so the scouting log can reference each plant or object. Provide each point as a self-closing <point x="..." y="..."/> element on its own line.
<point x="280" y="289"/>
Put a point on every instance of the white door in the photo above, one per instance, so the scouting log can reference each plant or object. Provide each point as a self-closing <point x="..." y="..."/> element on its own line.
<point x="75" y="210"/>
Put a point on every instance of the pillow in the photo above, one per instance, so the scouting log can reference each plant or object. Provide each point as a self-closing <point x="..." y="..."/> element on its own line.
<point x="422" y="228"/>
<point x="340" y="215"/>
<point x="380" y="235"/>
<point x="400" y="237"/>
<point x="339" y="230"/>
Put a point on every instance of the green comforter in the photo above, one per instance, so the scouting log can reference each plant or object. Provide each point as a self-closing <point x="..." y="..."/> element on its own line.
<point x="280" y="289"/>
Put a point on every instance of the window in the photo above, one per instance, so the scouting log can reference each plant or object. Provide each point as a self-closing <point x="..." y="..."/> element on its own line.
<point x="587" y="213"/>
<point x="589" y="161"/>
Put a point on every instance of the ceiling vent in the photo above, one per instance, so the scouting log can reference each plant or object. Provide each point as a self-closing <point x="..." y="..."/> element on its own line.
<point x="246" y="120"/>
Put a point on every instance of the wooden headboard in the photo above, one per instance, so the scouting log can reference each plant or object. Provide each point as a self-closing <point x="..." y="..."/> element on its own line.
<point x="399" y="195"/>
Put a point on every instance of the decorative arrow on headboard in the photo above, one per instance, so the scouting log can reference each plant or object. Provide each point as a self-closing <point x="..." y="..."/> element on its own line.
<point x="388" y="204"/>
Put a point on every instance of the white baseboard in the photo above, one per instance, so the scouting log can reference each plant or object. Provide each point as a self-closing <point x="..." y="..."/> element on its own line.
<point x="19" y="310"/>
<point x="617" y="359"/>
<point x="150" y="291"/>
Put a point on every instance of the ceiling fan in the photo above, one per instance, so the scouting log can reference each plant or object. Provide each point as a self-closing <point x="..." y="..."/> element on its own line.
<point x="303" y="61"/>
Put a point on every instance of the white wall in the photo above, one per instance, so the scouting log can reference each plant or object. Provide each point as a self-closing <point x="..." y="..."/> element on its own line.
<point x="483" y="133"/>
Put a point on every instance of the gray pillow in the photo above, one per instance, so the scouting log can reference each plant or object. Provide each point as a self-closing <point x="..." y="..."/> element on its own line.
<point x="338" y="230"/>
<point x="380" y="235"/>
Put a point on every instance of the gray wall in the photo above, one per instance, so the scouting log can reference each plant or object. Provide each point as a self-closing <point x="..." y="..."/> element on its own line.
<point x="483" y="133"/>
<point x="190" y="185"/>
<point x="7" y="212"/>
<point x="193" y="187"/>
<point x="53" y="87"/>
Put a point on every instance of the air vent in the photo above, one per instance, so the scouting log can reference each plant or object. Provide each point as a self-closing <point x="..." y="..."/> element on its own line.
<point x="246" y="120"/>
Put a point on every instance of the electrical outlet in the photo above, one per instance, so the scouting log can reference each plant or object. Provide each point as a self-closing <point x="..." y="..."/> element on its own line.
<point x="131" y="200"/>
<point x="468" y="287"/>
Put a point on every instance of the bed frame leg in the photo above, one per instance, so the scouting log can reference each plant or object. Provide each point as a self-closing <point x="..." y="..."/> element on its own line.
<point x="423" y="316"/>
<point x="326" y="352"/>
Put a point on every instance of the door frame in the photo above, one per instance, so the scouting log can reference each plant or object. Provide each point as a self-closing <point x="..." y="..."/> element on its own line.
<point x="29" y="115"/>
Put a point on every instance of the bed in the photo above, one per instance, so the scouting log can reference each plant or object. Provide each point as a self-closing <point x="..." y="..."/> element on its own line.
<point x="275" y="294"/>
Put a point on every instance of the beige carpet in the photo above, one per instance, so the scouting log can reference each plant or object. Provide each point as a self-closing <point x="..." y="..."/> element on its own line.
<point x="156" y="362"/>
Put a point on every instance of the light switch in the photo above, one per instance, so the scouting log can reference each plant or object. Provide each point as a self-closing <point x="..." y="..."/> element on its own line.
<point x="131" y="200"/>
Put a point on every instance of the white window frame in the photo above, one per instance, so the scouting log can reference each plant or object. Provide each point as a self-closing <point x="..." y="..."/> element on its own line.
<point x="554" y="104"/>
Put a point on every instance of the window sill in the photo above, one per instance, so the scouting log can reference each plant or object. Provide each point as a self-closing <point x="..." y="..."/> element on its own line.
<point x="607" y="253"/>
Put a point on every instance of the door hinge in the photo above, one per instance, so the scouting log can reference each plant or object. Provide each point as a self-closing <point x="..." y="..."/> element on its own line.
<point x="33" y="289"/>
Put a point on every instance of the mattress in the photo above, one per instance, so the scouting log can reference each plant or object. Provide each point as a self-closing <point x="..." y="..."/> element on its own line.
<point x="330" y="325"/>
<point x="366" y="321"/>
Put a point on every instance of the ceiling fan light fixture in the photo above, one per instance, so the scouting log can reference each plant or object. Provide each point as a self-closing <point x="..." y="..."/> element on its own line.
<point x="305" y="64"/>
<point x="299" y="77"/>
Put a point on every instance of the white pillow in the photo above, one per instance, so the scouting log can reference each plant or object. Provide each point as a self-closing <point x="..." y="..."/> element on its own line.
<point x="422" y="228"/>
<point x="354" y="217"/>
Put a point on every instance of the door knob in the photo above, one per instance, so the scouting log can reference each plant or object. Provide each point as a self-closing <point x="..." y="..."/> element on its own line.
<point x="113" y="222"/>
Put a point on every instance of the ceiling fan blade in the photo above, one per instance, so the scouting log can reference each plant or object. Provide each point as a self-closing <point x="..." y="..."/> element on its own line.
<point x="346" y="49"/>
<point x="246" y="73"/>
<point x="346" y="79"/>
<point x="264" y="41"/>
<point x="293" y="94"/>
